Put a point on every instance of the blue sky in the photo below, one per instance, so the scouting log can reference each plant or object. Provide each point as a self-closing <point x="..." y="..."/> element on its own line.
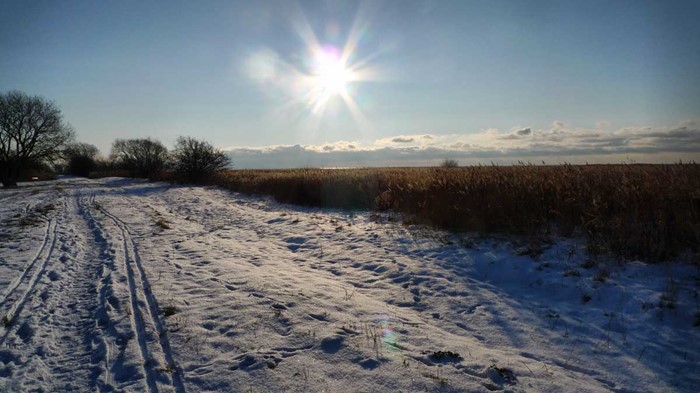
<point x="467" y="73"/>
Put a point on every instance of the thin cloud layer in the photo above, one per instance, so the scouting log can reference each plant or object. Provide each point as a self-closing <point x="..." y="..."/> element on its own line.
<point x="554" y="145"/>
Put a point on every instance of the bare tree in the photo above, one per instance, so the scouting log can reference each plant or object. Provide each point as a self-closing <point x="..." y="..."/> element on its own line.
<point x="81" y="158"/>
<point x="195" y="160"/>
<point x="141" y="157"/>
<point x="32" y="132"/>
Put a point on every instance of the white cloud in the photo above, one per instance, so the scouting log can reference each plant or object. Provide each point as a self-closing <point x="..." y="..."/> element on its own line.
<point x="602" y="124"/>
<point x="561" y="143"/>
<point x="558" y="125"/>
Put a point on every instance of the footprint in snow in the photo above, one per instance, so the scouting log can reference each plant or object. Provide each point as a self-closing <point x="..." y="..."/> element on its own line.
<point x="368" y="364"/>
<point x="209" y="325"/>
<point x="319" y="317"/>
<point x="25" y="332"/>
<point x="294" y="243"/>
<point x="249" y="363"/>
<point x="332" y="344"/>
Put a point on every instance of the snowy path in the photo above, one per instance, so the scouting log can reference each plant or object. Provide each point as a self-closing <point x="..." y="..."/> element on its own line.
<point x="124" y="285"/>
<point x="48" y="310"/>
<point x="145" y="313"/>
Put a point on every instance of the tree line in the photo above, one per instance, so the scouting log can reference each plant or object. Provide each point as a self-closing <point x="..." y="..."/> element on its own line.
<point x="34" y="136"/>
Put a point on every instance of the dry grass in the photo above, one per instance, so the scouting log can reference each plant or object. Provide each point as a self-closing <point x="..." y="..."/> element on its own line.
<point x="651" y="212"/>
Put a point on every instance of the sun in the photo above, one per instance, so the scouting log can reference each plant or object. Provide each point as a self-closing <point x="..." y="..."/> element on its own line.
<point x="330" y="74"/>
<point x="322" y="78"/>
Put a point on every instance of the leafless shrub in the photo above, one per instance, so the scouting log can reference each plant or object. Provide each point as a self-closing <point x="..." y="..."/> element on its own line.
<point x="197" y="161"/>
<point x="140" y="157"/>
<point x="449" y="163"/>
<point x="81" y="159"/>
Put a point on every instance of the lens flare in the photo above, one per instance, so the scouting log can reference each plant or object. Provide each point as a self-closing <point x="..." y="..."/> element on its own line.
<point x="322" y="74"/>
<point x="330" y="71"/>
<point x="329" y="79"/>
<point x="389" y="337"/>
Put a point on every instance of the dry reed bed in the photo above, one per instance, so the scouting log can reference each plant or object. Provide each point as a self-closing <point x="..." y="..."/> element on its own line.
<point x="650" y="212"/>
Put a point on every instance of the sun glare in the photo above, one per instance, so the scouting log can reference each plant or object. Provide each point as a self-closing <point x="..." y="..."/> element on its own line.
<point x="331" y="76"/>
<point x="323" y="76"/>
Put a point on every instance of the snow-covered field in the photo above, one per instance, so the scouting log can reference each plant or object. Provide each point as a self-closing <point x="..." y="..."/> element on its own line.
<point x="123" y="285"/>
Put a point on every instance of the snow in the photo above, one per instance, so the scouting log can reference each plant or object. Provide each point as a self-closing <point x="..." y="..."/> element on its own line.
<point x="124" y="285"/>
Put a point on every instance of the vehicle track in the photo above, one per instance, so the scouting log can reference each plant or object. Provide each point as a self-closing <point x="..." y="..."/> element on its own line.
<point x="116" y="321"/>
<point x="76" y="346"/>
<point x="57" y="320"/>
<point x="135" y="275"/>
<point x="15" y="307"/>
<point x="104" y="291"/>
<point x="17" y="281"/>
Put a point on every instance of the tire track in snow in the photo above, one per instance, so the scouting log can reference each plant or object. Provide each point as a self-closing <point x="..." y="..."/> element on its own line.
<point x="17" y="281"/>
<point x="60" y="330"/>
<point x="76" y="347"/>
<point x="137" y="323"/>
<point x="117" y="329"/>
<point x="43" y="255"/>
<point x="113" y="343"/>
<point x="137" y="319"/>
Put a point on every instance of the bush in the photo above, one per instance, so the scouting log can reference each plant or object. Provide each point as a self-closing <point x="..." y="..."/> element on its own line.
<point x="140" y="157"/>
<point x="196" y="161"/>
<point x="81" y="159"/>
<point x="37" y="170"/>
<point x="449" y="163"/>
